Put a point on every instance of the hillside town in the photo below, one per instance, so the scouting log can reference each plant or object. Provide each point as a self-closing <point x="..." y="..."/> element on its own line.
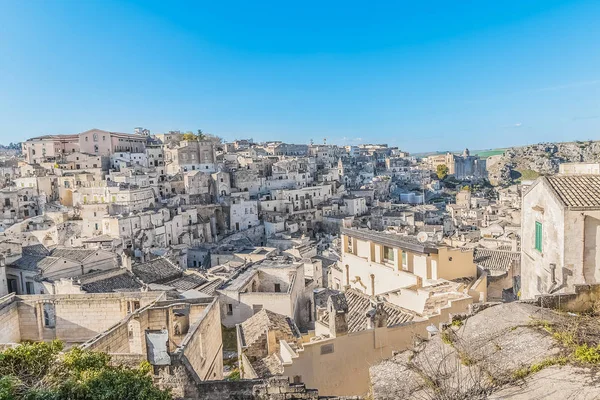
<point x="275" y="270"/>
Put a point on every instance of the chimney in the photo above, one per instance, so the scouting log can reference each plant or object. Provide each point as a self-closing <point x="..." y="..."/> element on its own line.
<point x="338" y="311"/>
<point x="419" y="283"/>
<point x="376" y="316"/>
<point x="126" y="259"/>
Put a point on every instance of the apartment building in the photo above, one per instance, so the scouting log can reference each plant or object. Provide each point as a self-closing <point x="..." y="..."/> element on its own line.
<point x="376" y="262"/>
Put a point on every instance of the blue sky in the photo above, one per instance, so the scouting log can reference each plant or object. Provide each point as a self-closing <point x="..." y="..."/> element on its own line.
<point x="435" y="76"/>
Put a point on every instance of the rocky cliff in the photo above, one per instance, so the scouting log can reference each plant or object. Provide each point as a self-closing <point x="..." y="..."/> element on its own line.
<point x="528" y="162"/>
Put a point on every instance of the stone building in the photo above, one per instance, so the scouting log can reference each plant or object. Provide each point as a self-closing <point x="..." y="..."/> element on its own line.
<point x="243" y="214"/>
<point x="190" y="155"/>
<point x="560" y="241"/>
<point x="377" y="263"/>
<point x="180" y="338"/>
<point x="276" y="284"/>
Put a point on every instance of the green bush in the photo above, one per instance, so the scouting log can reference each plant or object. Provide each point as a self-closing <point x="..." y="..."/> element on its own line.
<point x="41" y="371"/>
<point x="587" y="354"/>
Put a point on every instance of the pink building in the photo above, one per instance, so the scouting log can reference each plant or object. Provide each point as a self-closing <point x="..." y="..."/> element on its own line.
<point x="94" y="141"/>
<point x="49" y="147"/>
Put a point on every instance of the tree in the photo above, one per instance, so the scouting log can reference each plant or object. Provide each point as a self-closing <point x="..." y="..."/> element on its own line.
<point x="42" y="371"/>
<point x="189" y="136"/>
<point x="200" y="135"/>
<point x="442" y="171"/>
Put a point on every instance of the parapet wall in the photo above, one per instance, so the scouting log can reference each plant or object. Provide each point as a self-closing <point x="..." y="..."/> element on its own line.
<point x="584" y="299"/>
<point x="254" y="389"/>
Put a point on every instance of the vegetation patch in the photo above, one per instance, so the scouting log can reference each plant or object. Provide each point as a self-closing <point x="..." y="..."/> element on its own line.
<point x="447" y="337"/>
<point x="457" y="323"/>
<point x="229" y="338"/>
<point x="587" y="354"/>
<point x="524" y="372"/>
<point x="527" y="174"/>
<point x="43" y="371"/>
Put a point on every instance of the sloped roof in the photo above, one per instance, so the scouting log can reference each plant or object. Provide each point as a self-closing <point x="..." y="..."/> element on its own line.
<point x="158" y="270"/>
<point x="210" y="287"/>
<point x="187" y="282"/>
<point x="269" y="366"/>
<point x="77" y="255"/>
<point x="579" y="191"/>
<point x="359" y="303"/>
<point x="326" y="262"/>
<point x="124" y="281"/>
<point x="35" y="250"/>
<point x="264" y="321"/>
<point x="495" y="260"/>
<point x="28" y="262"/>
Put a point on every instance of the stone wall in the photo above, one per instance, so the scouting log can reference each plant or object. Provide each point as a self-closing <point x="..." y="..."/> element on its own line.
<point x="9" y="320"/>
<point x="277" y="388"/>
<point x="584" y="299"/>
<point x="256" y="235"/>
<point x="74" y="318"/>
<point x="116" y="340"/>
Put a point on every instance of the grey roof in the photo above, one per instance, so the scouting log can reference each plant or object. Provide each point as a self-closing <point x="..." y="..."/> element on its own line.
<point x="210" y="287"/>
<point x="242" y="277"/>
<point x="125" y="281"/>
<point x="338" y="302"/>
<point x="28" y="263"/>
<point x="77" y="255"/>
<point x="359" y="303"/>
<point x="186" y="282"/>
<point x="264" y="320"/>
<point x="159" y="270"/>
<point x="321" y="296"/>
<point x="101" y="238"/>
<point x="35" y="250"/>
<point x="496" y="260"/>
<point x="576" y="191"/>
<point x="326" y="262"/>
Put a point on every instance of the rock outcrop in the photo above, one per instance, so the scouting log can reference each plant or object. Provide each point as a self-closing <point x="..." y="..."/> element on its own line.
<point x="526" y="162"/>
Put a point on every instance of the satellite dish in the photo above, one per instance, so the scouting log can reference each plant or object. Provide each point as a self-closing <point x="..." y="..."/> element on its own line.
<point x="432" y="329"/>
<point x="422" y="237"/>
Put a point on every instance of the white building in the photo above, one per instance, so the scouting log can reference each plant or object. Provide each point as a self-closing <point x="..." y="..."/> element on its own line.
<point x="560" y="242"/>
<point x="243" y="214"/>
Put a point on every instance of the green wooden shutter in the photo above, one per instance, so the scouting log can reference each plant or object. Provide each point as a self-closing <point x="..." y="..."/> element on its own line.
<point x="538" y="236"/>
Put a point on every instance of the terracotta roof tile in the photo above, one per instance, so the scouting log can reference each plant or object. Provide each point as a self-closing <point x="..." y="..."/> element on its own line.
<point x="577" y="190"/>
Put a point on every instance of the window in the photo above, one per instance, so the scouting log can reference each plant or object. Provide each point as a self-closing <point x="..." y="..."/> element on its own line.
<point x="538" y="236"/>
<point x="277" y="287"/>
<point x="404" y="260"/>
<point x="12" y="285"/>
<point x="229" y="309"/>
<point x="49" y="316"/>
<point x="388" y="254"/>
<point x="29" y="288"/>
